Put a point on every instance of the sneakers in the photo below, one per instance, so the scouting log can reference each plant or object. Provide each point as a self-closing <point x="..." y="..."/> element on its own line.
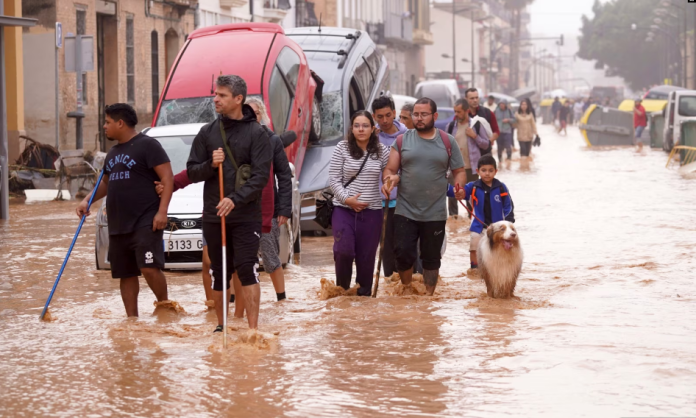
<point x="218" y="329"/>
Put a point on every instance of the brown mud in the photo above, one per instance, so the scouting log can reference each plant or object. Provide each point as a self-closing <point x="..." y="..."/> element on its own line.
<point x="601" y="325"/>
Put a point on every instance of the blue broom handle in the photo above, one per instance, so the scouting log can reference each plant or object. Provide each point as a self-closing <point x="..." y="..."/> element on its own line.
<point x="77" y="233"/>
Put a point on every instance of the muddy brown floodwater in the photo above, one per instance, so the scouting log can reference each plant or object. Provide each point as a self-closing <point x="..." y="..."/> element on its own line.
<point x="605" y="325"/>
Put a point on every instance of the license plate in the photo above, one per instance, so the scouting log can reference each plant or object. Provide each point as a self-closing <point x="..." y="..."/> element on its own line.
<point x="183" y="245"/>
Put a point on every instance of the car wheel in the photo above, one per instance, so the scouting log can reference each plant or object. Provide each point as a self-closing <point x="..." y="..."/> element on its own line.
<point x="315" y="132"/>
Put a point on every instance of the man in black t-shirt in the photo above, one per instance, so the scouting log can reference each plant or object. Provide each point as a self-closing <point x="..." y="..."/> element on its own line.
<point x="137" y="215"/>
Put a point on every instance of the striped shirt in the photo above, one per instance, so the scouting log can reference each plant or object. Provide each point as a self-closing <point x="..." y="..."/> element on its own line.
<point x="343" y="167"/>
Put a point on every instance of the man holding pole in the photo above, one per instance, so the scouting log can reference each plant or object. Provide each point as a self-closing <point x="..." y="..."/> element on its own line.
<point x="238" y="145"/>
<point x="137" y="215"/>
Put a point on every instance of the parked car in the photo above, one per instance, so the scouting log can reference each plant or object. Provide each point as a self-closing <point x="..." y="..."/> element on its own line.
<point x="401" y="100"/>
<point x="183" y="238"/>
<point x="274" y="67"/>
<point x="443" y="92"/>
<point x="354" y="72"/>
<point x="681" y="107"/>
<point x="661" y="92"/>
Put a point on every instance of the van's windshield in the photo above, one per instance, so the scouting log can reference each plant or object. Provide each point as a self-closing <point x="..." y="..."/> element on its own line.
<point x="178" y="149"/>
<point x="331" y="116"/>
<point x="189" y="110"/>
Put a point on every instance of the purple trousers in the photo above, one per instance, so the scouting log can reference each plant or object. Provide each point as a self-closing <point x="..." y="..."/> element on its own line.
<point x="356" y="238"/>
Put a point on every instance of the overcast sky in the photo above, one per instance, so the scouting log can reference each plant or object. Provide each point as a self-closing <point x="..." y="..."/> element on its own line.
<point x="553" y="17"/>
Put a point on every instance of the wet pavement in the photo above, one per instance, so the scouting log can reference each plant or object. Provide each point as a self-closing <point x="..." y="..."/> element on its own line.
<point x="604" y="325"/>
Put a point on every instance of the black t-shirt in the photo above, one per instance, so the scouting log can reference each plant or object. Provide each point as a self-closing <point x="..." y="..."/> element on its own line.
<point x="487" y="212"/>
<point x="132" y="201"/>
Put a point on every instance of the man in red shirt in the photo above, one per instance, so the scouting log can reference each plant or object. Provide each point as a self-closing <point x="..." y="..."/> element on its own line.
<point x="472" y="96"/>
<point x="640" y="119"/>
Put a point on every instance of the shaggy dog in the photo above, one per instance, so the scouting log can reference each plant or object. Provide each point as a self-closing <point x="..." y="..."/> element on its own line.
<point x="500" y="259"/>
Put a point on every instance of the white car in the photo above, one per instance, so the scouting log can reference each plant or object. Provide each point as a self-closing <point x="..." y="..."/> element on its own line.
<point x="681" y="107"/>
<point x="183" y="237"/>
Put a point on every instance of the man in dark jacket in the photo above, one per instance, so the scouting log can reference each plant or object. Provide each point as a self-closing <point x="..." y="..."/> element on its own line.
<point x="249" y="145"/>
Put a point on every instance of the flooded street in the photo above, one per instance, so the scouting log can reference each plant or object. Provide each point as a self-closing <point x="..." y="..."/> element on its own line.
<point x="604" y="325"/>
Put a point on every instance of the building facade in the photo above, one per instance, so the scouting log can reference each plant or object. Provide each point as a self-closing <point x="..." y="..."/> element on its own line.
<point x="473" y="44"/>
<point x="400" y="28"/>
<point x="134" y="45"/>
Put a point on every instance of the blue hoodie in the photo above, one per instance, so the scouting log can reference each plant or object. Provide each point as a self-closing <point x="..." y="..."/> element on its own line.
<point x="388" y="140"/>
<point x="501" y="202"/>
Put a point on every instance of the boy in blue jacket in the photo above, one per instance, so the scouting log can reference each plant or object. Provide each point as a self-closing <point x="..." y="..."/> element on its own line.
<point x="491" y="201"/>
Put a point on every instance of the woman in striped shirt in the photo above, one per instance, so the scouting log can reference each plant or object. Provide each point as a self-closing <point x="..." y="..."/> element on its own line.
<point x="357" y="216"/>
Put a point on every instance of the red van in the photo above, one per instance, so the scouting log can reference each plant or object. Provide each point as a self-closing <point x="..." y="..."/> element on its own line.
<point x="273" y="66"/>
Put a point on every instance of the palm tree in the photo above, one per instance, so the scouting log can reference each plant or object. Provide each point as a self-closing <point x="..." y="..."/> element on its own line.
<point x="516" y="6"/>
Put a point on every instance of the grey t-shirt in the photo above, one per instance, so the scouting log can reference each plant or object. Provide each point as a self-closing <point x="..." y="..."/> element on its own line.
<point x="423" y="185"/>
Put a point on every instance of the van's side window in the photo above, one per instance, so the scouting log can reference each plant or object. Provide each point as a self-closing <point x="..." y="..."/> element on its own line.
<point x="363" y="76"/>
<point x="281" y="91"/>
<point x="280" y="99"/>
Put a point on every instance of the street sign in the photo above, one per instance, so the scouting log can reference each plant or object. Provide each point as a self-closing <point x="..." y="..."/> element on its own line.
<point x="59" y="35"/>
<point x="87" y="53"/>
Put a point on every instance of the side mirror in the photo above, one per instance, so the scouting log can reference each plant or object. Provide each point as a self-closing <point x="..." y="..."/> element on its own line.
<point x="287" y="138"/>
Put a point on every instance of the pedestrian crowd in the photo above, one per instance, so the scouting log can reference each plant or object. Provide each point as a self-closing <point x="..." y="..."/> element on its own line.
<point x="394" y="179"/>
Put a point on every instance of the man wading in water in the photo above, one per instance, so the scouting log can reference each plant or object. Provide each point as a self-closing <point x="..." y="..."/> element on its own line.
<point x="250" y="146"/>
<point x="137" y="215"/>
<point x="421" y="209"/>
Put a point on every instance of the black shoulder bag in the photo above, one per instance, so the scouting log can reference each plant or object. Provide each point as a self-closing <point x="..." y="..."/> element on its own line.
<point x="243" y="172"/>
<point x="325" y="206"/>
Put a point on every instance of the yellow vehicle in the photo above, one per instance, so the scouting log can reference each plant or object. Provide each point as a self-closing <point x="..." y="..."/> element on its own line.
<point x="650" y="105"/>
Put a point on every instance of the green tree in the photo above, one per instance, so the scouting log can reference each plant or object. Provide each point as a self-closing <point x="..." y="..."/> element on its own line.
<point x="611" y="40"/>
<point x="516" y="6"/>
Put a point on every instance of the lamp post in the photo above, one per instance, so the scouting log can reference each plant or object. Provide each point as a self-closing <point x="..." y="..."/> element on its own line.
<point x="683" y="11"/>
<point x="472" y="10"/>
<point x="678" y="72"/>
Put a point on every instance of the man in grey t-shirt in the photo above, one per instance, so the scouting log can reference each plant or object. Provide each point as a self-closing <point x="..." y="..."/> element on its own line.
<point x="421" y="211"/>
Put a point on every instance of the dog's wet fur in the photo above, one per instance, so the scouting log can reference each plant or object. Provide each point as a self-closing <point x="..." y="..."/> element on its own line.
<point x="500" y="258"/>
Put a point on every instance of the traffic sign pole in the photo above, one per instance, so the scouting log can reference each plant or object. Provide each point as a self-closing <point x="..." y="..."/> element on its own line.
<point x="59" y="44"/>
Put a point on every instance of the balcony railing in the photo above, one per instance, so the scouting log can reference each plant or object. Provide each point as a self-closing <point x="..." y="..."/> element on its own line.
<point x="228" y="4"/>
<point x="275" y="10"/>
<point x="422" y="37"/>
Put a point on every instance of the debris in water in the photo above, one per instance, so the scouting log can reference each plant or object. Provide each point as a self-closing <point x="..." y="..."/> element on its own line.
<point x="473" y="274"/>
<point x="414" y="288"/>
<point x="48" y="317"/>
<point x="170" y="304"/>
<point x="257" y="339"/>
<point x="329" y="290"/>
<point x="483" y="301"/>
<point x="102" y="313"/>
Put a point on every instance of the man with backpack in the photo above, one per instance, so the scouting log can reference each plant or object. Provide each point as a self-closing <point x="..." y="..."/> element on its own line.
<point x="472" y="138"/>
<point x="424" y="156"/>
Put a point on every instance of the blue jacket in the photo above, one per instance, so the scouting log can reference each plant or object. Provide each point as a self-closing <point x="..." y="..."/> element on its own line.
<point x="501" y="202"/>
